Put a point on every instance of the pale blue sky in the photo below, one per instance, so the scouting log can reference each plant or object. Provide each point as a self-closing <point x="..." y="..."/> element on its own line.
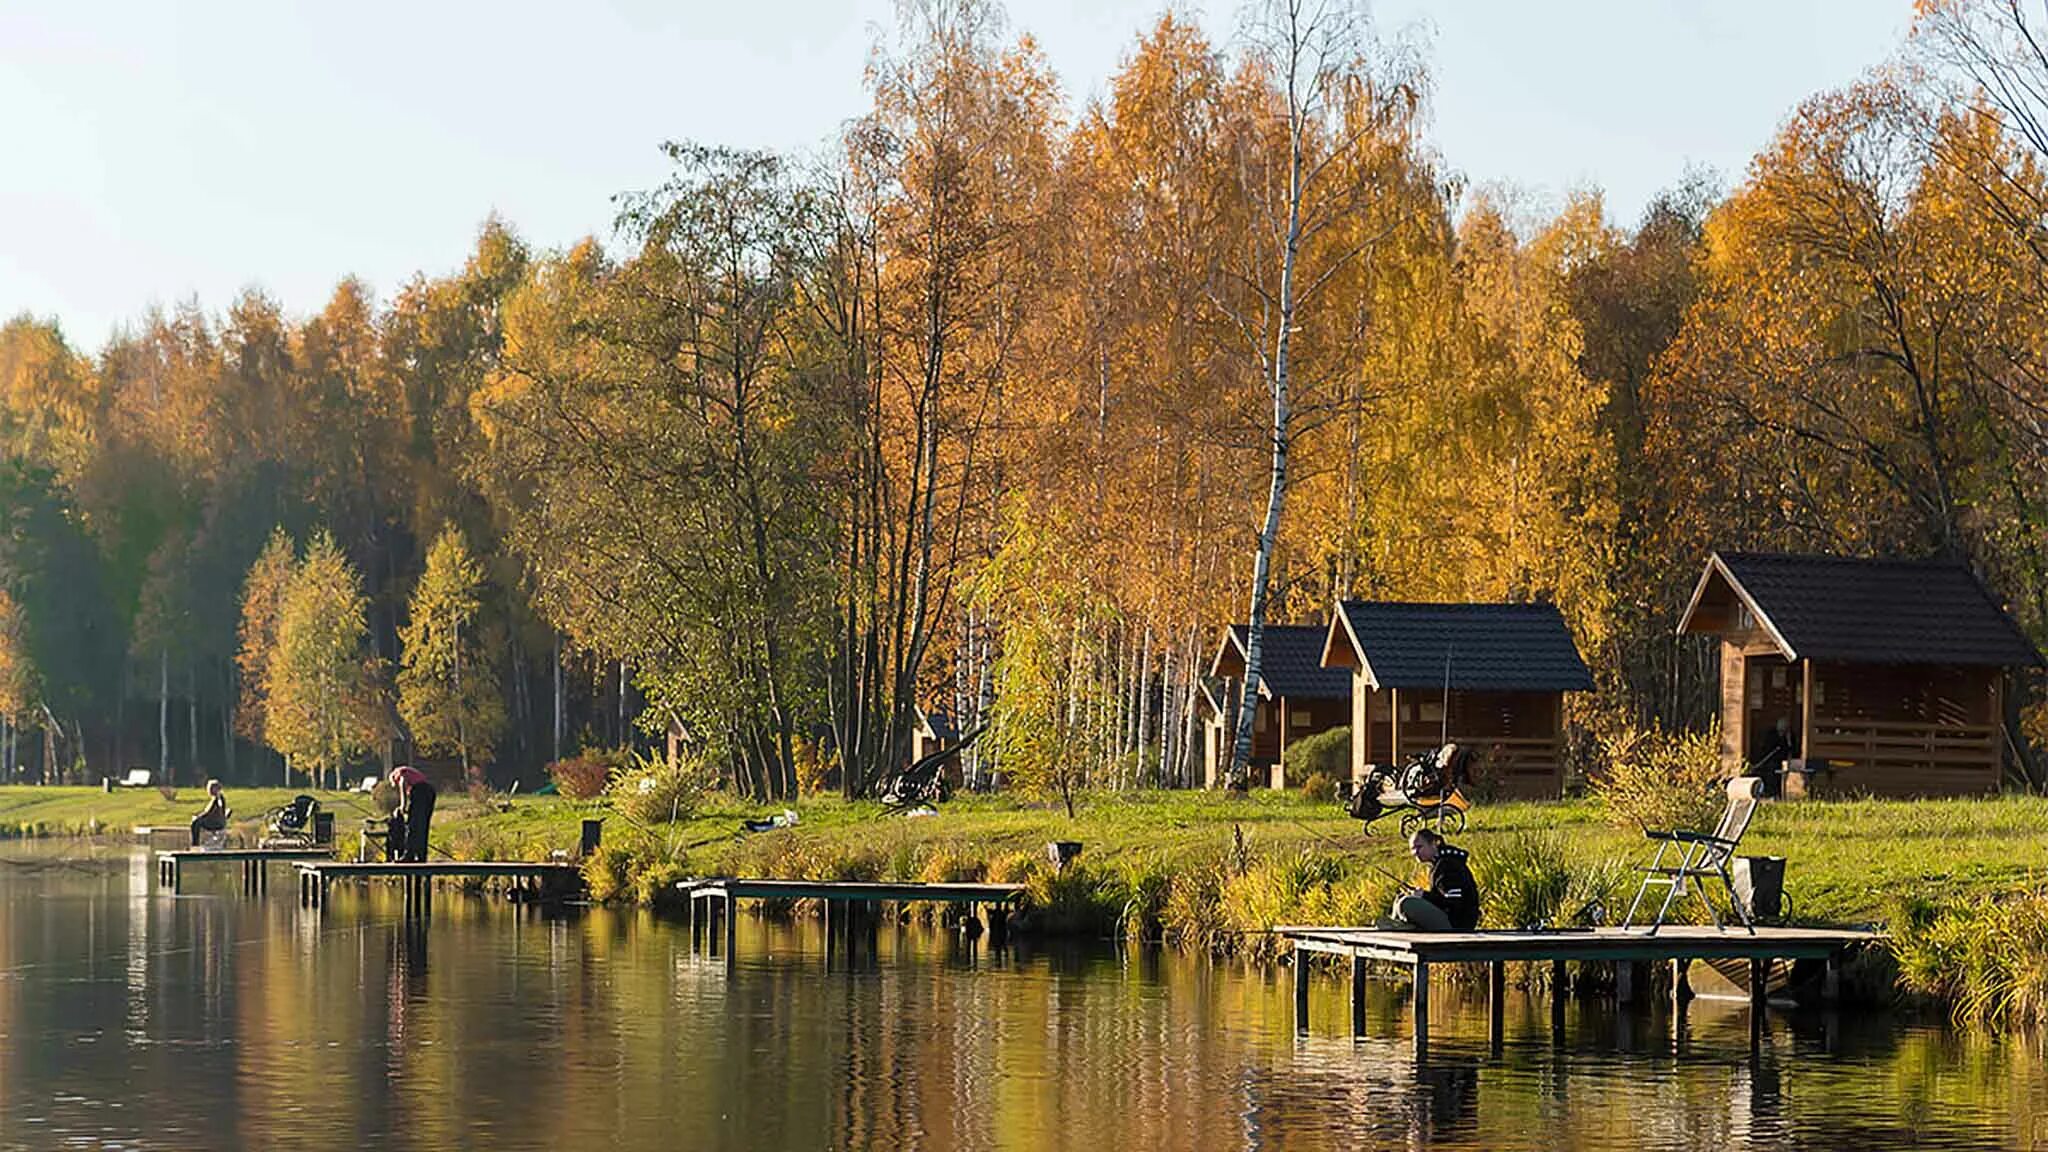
<point x="155" y="152"/>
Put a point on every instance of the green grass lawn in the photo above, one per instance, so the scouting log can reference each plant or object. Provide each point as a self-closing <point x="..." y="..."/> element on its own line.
<point x="1848" y="860"/>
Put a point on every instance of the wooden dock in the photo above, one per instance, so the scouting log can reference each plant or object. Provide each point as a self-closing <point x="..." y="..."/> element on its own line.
<point x="170" y="864"/>
<point x="847" y="905"/>
<point x="1627" y="949"/>
<point x="547" y="880"/>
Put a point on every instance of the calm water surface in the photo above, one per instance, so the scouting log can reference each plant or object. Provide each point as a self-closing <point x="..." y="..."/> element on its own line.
<point x="133" y="1019"/>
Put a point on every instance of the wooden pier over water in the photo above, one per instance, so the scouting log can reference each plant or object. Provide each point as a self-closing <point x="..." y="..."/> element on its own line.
<point x="546" y="880"/>
<point x="848" y="906"/>
<point x="1677" y="945"/>
<point x="170" y="865"/>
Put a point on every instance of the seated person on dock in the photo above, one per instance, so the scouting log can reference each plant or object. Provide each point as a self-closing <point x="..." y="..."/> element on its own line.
<point x="1450" y="903"/>
<point x="214" y="817"/>
<point x="415" y="808"/>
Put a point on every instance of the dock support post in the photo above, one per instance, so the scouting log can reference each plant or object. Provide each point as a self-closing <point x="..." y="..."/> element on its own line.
<point x="1496" y="1005"/>
<point x="1625" y="982"/>
<point x="1357" y="996"/>
<point x="1560" y="988"/>
<point x="1831" y="979"/>
<point x="1300" y="991"/>
<point x="1759" y="994"/>
<point x="1421" y="1009"/>
<point x="1681" y="989"/>
<point x="831" y="931"/>
<point x="731" y="931"/>
<point x="998" y="925"/>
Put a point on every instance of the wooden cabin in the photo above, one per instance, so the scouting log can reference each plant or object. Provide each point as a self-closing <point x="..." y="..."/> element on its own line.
<point x="1501" y="671"/>
<point x="1886" y="676"/>
<point x="932" y="732"/>
<point x="1298" y="698"/>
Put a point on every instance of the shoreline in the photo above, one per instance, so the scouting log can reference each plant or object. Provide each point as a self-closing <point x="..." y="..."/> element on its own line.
<point x="1956" y="881"/>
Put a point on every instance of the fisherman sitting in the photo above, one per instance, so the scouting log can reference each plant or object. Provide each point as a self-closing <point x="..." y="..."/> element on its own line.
<point x="214" y="817"/>
<point x="1450" y="903"/>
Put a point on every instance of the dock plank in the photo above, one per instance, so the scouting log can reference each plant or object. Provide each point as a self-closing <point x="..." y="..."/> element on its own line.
<point x="871" y="891"/>
<point x="347" y="869"/>
<point x="245" y="855"/>
<point x="1672" y="942"/>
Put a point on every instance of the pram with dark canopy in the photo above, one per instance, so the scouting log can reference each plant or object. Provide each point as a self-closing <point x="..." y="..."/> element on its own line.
<point x="1429" y="790"/>
<point x="292" y="825"/>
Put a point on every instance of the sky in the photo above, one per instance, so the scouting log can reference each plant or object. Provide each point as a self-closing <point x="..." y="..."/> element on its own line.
<point x="158" y="153"/>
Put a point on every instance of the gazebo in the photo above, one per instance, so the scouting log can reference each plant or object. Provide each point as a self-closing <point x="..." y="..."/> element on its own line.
<point x="1884" y="676"/>
<point x="1298" y="697"/>
<point x="1501" y="670"/>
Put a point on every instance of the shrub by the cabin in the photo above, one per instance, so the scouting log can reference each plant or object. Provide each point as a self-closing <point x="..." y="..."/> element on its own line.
<point x="653" y="791"/>
<point x="584" y="775"/>
<point x="1325" y="754"/>
<point x="1650" y="778"/>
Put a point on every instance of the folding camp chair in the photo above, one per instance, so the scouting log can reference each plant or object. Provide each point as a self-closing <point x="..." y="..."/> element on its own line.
<point x="1705" y="855"/>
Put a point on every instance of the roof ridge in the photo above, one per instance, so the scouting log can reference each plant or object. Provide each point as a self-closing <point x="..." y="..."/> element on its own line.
<point x="1855" y="561"/>
<point x="1494" y="604"/>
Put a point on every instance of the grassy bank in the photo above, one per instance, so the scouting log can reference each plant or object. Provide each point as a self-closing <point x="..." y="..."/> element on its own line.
<point x="1216" y="871"/>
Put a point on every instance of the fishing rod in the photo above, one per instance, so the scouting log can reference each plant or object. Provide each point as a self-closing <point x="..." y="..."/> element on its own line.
<point x="1336" y="843"/>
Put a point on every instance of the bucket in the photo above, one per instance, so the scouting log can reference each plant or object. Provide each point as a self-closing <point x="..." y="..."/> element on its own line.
<point x="323" y="828"/>
<point x="1760" y="885"/>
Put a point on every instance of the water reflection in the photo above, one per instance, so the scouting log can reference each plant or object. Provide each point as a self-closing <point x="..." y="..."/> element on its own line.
<point x="218" y="1019"/>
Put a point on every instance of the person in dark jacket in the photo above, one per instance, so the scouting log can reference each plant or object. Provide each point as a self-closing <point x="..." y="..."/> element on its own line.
<point x="415" y="810"/>
<point x="1450" y="903"/>
<point x="214" y="817"/>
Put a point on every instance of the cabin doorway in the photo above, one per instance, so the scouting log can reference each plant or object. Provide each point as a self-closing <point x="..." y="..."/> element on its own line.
<point x="1772" y="716"/>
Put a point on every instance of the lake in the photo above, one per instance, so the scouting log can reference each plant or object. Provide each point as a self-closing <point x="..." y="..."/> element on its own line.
<point x="130" y="1018"/>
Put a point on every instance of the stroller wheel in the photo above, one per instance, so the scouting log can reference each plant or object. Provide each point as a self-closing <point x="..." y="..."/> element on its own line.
<point x="1409" y="823"/>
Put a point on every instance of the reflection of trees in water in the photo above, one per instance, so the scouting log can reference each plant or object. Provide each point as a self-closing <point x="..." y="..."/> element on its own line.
<point x="268" y="1026"/>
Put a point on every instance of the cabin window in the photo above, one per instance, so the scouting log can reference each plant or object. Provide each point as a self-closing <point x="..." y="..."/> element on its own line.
<point x="1298" y="720"/>
<point x="1432" y="711"/>
<point x="1744" y="620"/>
<point x="1259" y="719"/>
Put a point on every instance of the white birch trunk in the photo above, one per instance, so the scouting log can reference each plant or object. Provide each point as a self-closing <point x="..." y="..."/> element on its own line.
<point x="1144" y="701"/>
<point x="163" y="717"/>
<point x="1282" y="426"/>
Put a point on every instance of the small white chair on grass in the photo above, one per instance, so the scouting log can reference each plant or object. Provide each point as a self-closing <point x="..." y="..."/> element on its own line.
<point x="1704" y="855"/>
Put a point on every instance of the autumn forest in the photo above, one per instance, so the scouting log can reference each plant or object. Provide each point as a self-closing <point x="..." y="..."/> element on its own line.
<point x="1001" y="407"/>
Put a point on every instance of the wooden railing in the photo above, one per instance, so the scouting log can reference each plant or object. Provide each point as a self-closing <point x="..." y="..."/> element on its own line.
<point x="1502" y="756"/>
<point x="1903" y="744"/>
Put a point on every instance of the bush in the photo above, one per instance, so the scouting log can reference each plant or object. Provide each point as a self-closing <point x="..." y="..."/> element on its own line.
<point x="1327" y="753"/>
<point x="653" y="791"/>
<point x="1655" y="779"/>
<point x="584" y="775"/>
<point x="1319" y="788"/>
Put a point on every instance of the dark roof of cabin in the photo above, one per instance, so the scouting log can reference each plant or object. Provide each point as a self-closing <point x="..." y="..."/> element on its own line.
<point x="1878" y="611"/>
<point x="1490" y="647"/>
<point x="1291" y="662"/>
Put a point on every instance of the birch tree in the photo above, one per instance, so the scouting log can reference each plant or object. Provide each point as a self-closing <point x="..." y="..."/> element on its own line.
<point x="324" y="699"/>
<point x="1307" y="169"/>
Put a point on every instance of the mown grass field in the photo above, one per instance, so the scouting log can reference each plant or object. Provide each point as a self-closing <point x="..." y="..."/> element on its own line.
<point x="1848" y="860"/>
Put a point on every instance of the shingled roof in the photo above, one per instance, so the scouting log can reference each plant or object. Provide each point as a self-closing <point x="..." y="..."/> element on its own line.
<point x="1490" y="647"/>
<point x="1290" y="662"/>
<point x="1865" y="611"/>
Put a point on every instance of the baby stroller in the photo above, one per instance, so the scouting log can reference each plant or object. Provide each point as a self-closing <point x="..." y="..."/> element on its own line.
<point x="291" y="826"/>
<point x="1429" y="790"/>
